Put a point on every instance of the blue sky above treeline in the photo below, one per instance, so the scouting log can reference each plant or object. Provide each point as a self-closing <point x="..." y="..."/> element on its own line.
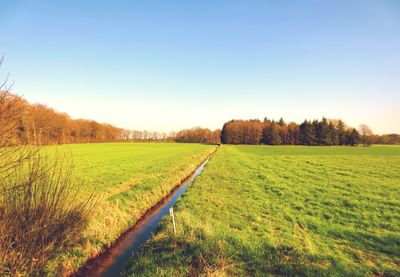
<point x="168" y="65"/>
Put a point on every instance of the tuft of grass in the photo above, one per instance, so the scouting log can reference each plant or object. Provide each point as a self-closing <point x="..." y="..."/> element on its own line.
<point x="262" y="210"/>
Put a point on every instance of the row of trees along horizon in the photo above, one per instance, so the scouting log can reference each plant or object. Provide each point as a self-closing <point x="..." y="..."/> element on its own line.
<point x="324" y="132"/>
<point x="43" y="125"/>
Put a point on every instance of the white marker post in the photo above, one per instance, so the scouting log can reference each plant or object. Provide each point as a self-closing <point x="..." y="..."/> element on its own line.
<point x="171" y="213"/>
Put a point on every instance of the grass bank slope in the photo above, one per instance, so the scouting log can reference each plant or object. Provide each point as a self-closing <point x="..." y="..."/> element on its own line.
<point x="129" y="178"/>
<point x="284" y="210"/>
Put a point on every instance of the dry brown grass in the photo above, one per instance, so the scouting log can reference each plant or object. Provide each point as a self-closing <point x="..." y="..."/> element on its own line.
<point x="41" y="211"/>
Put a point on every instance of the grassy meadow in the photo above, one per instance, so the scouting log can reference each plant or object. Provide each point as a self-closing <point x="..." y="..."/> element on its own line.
<point x="128" y="179"/>
<point x="285" y="210"/>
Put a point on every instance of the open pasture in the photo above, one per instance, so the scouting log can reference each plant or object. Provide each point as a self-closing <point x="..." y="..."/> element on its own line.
<point x="104" y="167"/>
<point x="284" y="210"/>
<point x="128" y="179"/>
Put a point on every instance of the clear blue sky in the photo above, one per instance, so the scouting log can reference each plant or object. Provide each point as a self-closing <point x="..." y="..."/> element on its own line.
<point x="166" y="65"/>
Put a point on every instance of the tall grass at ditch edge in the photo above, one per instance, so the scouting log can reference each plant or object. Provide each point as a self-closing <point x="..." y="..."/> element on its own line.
<point x="41" y="212"/>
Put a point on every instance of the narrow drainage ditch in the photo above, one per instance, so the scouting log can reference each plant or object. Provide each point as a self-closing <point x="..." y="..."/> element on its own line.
<point x="112" y="261"/>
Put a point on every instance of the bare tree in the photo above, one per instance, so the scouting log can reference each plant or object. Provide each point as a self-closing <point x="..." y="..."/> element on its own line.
<point x="10" y="115"/>
<point x="366" y="134"/>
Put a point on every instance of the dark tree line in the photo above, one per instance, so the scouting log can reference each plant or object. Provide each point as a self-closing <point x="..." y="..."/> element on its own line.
<point x="316" y="132"/>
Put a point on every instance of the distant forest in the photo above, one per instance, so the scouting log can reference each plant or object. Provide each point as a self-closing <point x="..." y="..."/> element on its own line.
<point x="272" y="132"/>
<point x="316" y="132"/>
<point x="39" y="124"/>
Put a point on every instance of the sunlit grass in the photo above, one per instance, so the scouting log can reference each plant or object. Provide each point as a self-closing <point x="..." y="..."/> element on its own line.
<point x="129" y="178"/>
<point x="285" y="210"/>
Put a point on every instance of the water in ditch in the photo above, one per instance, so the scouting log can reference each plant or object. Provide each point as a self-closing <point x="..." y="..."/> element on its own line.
<point x="113" y="260"/>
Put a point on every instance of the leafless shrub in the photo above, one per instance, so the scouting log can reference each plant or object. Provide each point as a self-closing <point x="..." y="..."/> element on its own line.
<point x="42" y="210"/>
<point x="41" y="207"/>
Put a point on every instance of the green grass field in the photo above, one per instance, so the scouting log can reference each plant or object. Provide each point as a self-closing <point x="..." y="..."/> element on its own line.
<point x="129" y="178"/>
<point x="105" y="166"/>
<point x="284" y="210"/>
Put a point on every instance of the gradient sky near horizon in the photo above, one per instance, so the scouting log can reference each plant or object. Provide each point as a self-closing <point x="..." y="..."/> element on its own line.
<point x="167" y="65"/>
